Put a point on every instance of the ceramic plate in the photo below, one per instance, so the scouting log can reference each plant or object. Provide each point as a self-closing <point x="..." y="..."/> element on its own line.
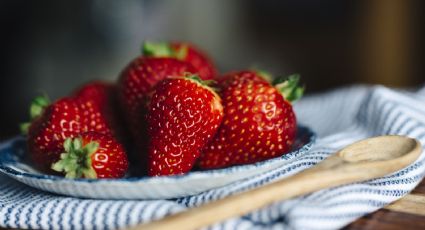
<point x="13" y="162"/>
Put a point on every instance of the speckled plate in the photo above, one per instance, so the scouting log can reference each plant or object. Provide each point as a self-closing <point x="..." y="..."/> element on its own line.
<point x="13" y="162"/>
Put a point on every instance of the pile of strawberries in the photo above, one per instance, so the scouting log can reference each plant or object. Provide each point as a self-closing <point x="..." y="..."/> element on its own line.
<point x="177" y="113"/>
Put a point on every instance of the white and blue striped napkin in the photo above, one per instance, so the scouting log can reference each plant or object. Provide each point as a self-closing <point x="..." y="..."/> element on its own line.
<point x="339" y="117"/>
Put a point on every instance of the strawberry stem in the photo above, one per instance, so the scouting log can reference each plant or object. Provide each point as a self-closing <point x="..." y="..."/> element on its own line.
<point x="38" y="105"/>
<point x="289" y="87"/>
<point x="75" y="162"/>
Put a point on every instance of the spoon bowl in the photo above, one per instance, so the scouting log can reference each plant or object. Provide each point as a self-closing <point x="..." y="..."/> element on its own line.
<point x="378" y="149"/>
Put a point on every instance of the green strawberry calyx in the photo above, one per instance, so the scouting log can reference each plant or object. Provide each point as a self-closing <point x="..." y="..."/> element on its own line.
<point x="76" y="162"/>
<point x="289" y="87"/>
<point x="208" y="84"/>
<point x="164" y="49"/>
<point x="197" y="79"/>
<point x="38" y="105"/>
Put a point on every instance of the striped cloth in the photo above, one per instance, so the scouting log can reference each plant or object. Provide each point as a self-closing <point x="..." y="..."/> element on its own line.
<point x="339" y="117"/>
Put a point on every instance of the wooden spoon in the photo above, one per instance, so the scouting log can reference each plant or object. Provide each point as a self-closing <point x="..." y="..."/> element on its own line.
<point x="363" y="160"/>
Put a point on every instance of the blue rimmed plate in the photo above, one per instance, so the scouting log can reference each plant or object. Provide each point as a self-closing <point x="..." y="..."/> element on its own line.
<point x="13" y="163"/>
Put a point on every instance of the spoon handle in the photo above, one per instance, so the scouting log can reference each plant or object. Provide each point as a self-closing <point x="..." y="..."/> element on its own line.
<point x="335" y="170"/>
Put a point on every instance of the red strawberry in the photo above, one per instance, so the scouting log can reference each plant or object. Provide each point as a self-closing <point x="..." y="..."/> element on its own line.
<point x="183" y="116"/>
<point x="103" y="95"/>
<point x="258" y="122"/>
<point x="136" y="84"/>
<point x="92" y="155"/>
<point x="242" y="77"/>
<point x="98" y="92"/>
<point x="52" y="124"/>
<point x="185" y="52"/>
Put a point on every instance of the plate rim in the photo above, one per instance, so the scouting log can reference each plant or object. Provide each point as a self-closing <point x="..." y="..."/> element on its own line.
<point x="195" y="174"/>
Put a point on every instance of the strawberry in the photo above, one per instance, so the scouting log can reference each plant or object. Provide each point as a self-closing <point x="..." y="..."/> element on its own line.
<point x="92" y="155"/>
<point x="184" y="115"/>
<point x="242" y="77"/>
<point x="98" y="92"/>
<point x="258" y="122"/>
<point x="103" y="95"/>
<point x="135" y="87"/>
<point x="185" y="52"/>
<point x="52" y="124"/>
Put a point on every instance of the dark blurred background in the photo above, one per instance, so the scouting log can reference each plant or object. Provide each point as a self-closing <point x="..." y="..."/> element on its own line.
<point x="54" y="46"/>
